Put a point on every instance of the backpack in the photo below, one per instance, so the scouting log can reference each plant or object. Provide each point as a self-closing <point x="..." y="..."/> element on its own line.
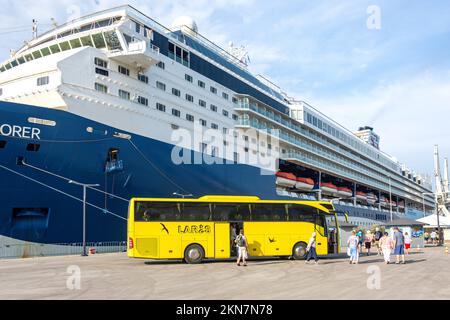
<point x="240" y="241"/>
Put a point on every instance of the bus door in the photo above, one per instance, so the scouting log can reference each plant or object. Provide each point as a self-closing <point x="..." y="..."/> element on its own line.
<point x="222" y="240"/>
<point x="321" y="234"/>
<point x="333" y="234"/>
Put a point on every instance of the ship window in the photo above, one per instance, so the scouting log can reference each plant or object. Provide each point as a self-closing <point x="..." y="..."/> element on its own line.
<point x="143" y="78"/>
<point x="225" y="113"/>
<point x="189" y="117"/>
<point x="202" y="122"/>
<point x="176" y="92"/>
<point x="101" y="63"/>
<point x="42" y="81"/>
<point x="37" y="54"/>
<point x="161" y="65"/>
<point x="14" y="63"/>
<point x="202" y="103"/>
<point x="29" y="57"/>
<point x="213" y="90"/>
<point x="101" y="88"/>
<point x="124" y="70"/>
<point x="99" y="41"/>
<point x="201" y="84"/>
<point x="45" y="51"/>
<point x="112" y="40"/>
<point x="2" y="69"/>
<point x="65" y="46"/>
<point x="21" y="60"/>
<point x="213" y="108"/>
<point x="161" y="86"/>
<point x="124" y="94"/>
<point x="188" y="78"/>
<point x="86" y="41"/>
<point x="137" y="27"/>
<point x="2" y="144"/>
<point x="161" y="107"/>
<point x="225" y="95"/>
<point x="33" y="147"/>
<point x="102" y="72"/>
<point x="143" y="101"/>
<point x="75" y="43"/>
<point x="214" y="126"/>
<point x="176" y="113"/>
<point x="189" y="98"/>
<point x="8" y="66"/>
<point x="55" y="48"/>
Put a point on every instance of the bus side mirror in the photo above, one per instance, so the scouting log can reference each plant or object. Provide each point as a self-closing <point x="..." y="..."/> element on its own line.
<point x="346" y="217"/>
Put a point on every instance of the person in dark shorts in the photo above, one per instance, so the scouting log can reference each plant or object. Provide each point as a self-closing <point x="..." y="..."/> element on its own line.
<point x="399" y="246"/>
<point x="368" y="241"/>
<point x="377" y="237"/>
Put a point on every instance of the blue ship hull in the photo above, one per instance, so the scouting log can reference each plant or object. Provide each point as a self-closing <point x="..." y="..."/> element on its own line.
<point x="40" y="207"/>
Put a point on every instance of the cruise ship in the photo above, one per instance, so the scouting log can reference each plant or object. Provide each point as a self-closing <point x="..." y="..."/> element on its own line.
<point x="117" y="101"/>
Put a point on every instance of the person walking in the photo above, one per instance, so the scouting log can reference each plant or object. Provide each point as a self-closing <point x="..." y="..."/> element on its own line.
<point x="377" y="237"/>
<point x="353" y="245"/>
<point x="399" y="246"/>
<point x="359" y="234"/>
<point x="368" y="241"/>
<point x="433" y="236"/>
<point x="407" y="242"/>
<point x="386" y="245"/>
<point x="311" y="249"/>
<point x="242" y="244"/>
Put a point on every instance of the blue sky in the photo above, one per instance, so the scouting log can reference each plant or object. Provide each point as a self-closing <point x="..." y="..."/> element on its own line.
<point x="396" y="78"/>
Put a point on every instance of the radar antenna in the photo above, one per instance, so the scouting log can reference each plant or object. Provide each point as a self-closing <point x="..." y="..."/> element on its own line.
<point x="240" y="53"/>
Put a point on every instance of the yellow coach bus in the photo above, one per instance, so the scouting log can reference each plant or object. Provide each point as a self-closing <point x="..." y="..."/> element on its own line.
<point x="198" y="229"/>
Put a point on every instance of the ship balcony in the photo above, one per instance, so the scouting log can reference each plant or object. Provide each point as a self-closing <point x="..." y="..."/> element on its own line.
<point x="142" y="54"/>
<point x="114" y="166"/>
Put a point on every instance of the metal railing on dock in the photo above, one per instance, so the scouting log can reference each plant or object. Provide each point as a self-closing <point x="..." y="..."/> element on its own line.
<point x="29" y="250"/>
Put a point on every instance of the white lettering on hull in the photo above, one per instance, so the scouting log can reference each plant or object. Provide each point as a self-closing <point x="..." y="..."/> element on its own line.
<point x="8" y="130"/>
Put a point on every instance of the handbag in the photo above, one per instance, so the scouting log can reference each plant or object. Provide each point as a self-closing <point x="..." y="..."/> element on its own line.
<point x="349" y="252"/>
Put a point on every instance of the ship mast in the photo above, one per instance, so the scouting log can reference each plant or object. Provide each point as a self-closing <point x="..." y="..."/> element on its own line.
<point x="442" y="195"/>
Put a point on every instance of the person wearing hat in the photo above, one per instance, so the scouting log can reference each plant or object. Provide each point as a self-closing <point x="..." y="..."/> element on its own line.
<point x="311" y="249"/>
<point x="378" y="235"/>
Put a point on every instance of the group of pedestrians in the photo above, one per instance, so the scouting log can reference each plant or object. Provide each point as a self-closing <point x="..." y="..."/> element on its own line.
<point x="384" y="243"/>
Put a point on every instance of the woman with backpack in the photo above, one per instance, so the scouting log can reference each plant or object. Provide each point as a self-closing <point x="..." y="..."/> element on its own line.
<point x="241" y="243"/>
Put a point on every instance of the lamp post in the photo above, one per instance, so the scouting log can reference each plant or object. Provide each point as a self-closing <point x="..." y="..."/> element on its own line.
<point x="182" y="195"/>
<point x="390" y="197"/>
<point x="437" y="211"/>
<point x="85" y="186"/>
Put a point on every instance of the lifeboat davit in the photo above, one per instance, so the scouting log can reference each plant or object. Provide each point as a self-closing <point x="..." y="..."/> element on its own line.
<point x="371" y="198"/>
<point x="361" y="195"/>
<point x="344" y="192"/>
<point x="304" y="184"/>
<point x="328" y="188"/>
<point x="286" y="179"/>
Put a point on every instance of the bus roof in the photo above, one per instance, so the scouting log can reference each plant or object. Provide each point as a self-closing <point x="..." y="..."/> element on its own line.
<point x="322" y="205"/>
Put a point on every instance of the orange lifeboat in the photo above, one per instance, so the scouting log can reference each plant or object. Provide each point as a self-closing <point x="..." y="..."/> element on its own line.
<point x="304" y="184"/>
<point x="286" y="179"/>
<point x="328" y="188"/>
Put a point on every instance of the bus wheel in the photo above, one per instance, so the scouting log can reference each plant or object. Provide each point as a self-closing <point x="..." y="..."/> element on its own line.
<point x="194" y="254"/>
<point x="299" y="251"/>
